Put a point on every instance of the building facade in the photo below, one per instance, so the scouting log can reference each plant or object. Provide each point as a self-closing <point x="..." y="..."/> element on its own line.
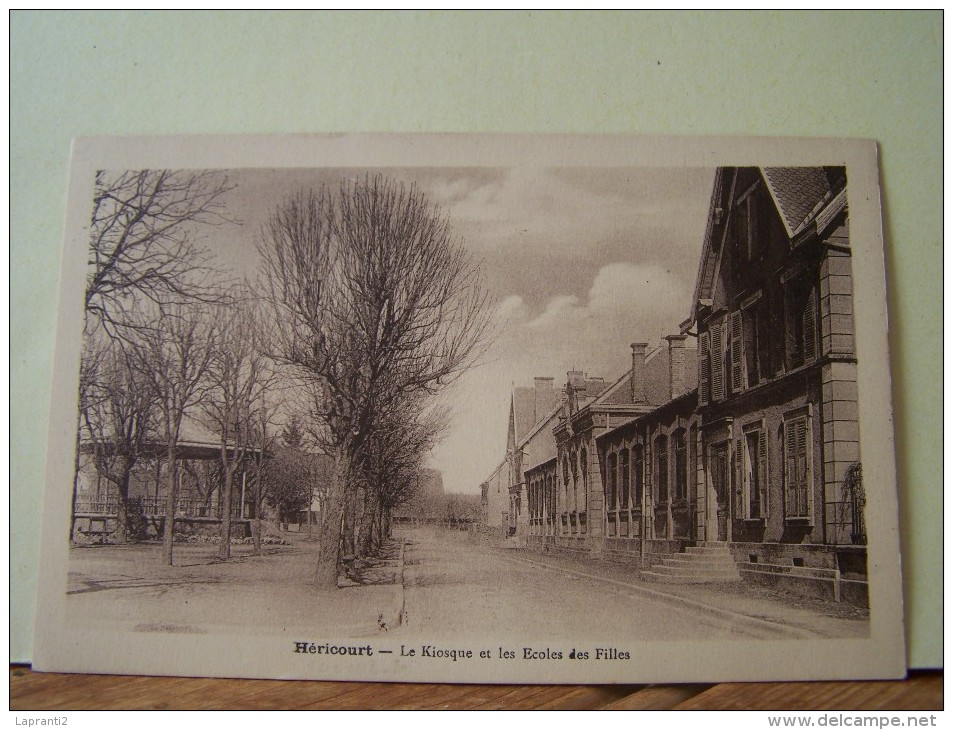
<point x="649" y="468"/>
<point x="585" y="516"/>
<point x="745" y="446"/>
<point x="779" y="456"/>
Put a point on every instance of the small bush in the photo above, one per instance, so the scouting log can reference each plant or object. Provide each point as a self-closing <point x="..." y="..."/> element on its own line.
<point x="136" y="524"/>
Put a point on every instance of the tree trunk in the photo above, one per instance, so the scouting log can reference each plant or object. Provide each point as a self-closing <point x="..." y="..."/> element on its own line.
<point x="329" y="553"/>
<point x="122" y="516"/>
<point x="169" y="505"/>
<point x="225" y="533"/>
<point x="257" y="536"/>
<point x="379" y="531"/>
<point x="365" y="540"/>
<point x="350" y="518"/>
<point x="310" y="501"/>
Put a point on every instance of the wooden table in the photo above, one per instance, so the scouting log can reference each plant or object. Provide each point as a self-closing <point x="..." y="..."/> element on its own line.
<point x="36" y="691"/>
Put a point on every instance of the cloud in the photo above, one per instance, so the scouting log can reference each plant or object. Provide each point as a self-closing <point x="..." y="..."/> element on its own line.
<point x="511" y="309"/>
<point x="624" y="303"/>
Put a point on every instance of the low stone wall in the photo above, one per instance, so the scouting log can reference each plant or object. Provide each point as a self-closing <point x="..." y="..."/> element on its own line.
<point x="210" y="527"/>
<point x="837" y="573"/>
<point x="542" y="543"/>
<point x="572" y="543"/>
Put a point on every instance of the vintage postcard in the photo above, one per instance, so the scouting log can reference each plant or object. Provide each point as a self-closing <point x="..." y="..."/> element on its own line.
<point x="453" y="408"/>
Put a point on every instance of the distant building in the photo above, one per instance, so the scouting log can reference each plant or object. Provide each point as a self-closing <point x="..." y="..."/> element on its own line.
<point x="504" y="495"/>
<point x="198" y="478"/>
<point x="588" y="507"/>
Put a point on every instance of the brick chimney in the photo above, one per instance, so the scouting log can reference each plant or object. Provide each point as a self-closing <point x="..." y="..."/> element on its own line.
<point x="543" y="389"/>
<point x="677" y="382"/>
<point x="637" y="376"/>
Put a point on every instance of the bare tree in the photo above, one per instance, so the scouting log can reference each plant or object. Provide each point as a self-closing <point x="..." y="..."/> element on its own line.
<point x="142" y="241"/>
<point x="263" y="440"/>
<point x="287" y="478"/>
<point x="118" y="411"/>
<point x="206" y="478"/>
<point x="237" y="380"/>
<point x="143" y="253"/>
<point x="375" y="301"/>
<point x="173" y="355"/>
<point x="392" y="461"/>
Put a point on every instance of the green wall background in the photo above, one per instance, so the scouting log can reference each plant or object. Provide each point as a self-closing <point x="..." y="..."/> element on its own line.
<point x="841" y="74"/>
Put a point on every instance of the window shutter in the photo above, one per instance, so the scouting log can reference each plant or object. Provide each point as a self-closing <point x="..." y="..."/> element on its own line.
<point x="763" y="472"/>
<point x="802" y="475"/>
<point x="704" y="368"/>
<point x="739" y="477"/>
<point x="790" y="470"/>
<point x="737" y="354"/>
<point x="810" y="326"/>
<point x="717" y="362"/>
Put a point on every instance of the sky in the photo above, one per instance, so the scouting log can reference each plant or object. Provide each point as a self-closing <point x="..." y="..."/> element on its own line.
<point x="578" y="263"/>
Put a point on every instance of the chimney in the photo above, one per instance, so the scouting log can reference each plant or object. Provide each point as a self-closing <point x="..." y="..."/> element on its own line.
<point x="637" y="376"/>
<point x="676" y="365"/>
<point x="543" y="400"/>
<point x="576" y="380"/>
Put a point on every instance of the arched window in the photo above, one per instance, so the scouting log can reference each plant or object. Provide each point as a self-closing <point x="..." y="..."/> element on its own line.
<point x="551" y="494"/>
<point x="584" y="470"/>
<point x="567" y="494"/>
<point x="681" y="464"/>
<point x="638" y="474"/>
<point x="624" y="473"/>
<point x="661" y="468"/>
<point x="611" y="481"/>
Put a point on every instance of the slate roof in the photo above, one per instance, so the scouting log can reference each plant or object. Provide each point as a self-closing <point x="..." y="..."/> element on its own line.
<point x="802" y="195"/>
<point x="799" y="193"/>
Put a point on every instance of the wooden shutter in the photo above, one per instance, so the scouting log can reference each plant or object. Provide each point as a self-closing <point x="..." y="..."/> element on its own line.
<point x="790" y="470"/>
<point x="809" y="319"/>
<point x="796" y="487"/>
<point x="763" y="472"/>
<point x="737" y="352"/>
<point x="717" y="362"/>
<point x="739" y="477"/>
<point x="704" y="368"/>
<point x="800" y="426"/>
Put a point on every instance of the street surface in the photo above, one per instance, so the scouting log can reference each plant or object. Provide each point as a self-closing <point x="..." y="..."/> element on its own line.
<point x="451" y="587"/>
<point x="454" y="588"/>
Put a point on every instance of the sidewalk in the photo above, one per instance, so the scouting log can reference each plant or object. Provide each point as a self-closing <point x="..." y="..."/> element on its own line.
<point x="756" y="607"/>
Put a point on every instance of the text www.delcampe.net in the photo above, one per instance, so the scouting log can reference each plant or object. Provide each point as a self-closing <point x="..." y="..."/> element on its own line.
<point x="851" y="720"/>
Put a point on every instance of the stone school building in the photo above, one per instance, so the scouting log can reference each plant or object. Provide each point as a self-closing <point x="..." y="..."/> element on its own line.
<point x="731" y="451"/>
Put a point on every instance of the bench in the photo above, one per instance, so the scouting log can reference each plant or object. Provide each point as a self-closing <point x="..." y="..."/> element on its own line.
<point x="97" y="530"/>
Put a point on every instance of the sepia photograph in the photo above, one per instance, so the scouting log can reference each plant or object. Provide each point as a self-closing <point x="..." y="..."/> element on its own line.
<point x="472" y="409"/>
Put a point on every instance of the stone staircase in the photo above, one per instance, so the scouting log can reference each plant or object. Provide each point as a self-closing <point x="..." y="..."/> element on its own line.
<point x="706" y="563"/>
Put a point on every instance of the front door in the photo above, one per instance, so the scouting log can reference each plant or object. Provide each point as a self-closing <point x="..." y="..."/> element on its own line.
<point x="718" y="471"/>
